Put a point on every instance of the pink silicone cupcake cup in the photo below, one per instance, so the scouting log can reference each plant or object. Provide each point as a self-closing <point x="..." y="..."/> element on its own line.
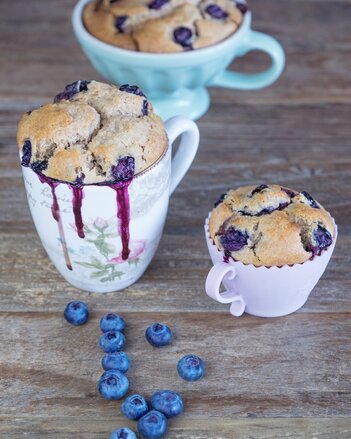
<point x="263" y="291"/>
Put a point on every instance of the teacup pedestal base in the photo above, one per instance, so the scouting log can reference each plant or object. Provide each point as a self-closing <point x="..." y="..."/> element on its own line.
<point x="185" y="102"/>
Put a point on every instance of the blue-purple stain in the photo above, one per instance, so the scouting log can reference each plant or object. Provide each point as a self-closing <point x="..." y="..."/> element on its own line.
<point x="157" y="4"/>
<point x="259" y="189"/>
<point x="233" y="240"/>
<point x="220" y="200"/>
<point x="243" y="8"/>
<point x="133" y="89"/>
<point x="120" y="22"/>
<point x="217" y="12"/>
<point x="289" y="192"/>
<point x="39" y="166"/>
<point x="71" y="90"/>
<point x="311" y="201"/>
<point x="26" y="153"/>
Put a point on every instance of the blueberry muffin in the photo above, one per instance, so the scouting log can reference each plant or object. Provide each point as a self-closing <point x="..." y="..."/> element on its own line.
<point x="92" y="133"/>
<point x="163" y="26"/>
<point x="270" y="225"/>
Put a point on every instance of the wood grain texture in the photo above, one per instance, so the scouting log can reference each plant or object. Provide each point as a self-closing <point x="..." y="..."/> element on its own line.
<point x="267" y="378"/>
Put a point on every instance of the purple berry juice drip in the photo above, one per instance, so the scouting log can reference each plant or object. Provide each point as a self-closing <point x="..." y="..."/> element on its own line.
<point x="55" y="210"/>
<point x="78" y="195"/>
<point x="123" y="214"/>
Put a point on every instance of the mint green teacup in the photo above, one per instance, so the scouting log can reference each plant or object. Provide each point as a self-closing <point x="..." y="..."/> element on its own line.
<point x="176" y="82"/>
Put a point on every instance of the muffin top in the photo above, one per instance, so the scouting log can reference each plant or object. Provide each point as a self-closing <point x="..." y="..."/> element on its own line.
<point x="163" y="26"/>
<point x="270" y="225"/>
<point x="92" y="133"/>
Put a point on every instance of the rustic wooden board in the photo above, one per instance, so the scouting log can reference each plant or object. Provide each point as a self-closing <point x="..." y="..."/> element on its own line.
<point x="267" y="378"/>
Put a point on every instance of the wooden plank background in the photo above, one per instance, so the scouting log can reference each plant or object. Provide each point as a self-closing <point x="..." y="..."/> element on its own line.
<point x="267" y="378"/>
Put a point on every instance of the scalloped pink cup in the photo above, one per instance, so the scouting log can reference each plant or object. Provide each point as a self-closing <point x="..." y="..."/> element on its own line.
<point x="263" y="291"/>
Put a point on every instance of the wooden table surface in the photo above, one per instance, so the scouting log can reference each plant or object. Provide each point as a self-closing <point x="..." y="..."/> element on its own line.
<point x="267" y="378"/>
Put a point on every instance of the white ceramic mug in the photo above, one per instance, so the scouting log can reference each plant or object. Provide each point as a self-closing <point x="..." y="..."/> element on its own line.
<point x="263" y="291"/>
<point x="96" y="261"/>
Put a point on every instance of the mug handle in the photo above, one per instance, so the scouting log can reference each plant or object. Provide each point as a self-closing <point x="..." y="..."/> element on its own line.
<point x="213" y="283"/>
<point x="254" y="81"/>
<point x="189" y="142"/>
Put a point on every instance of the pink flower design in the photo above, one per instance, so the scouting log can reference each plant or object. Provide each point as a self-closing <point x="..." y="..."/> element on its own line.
<point x="136" y="249"/>
<point x="100" y="223"/>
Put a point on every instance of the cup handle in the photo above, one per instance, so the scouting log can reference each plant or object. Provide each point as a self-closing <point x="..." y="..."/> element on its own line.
<point x="189" y="142"/>
<point x="254" y="81"/>
<point x="213" y="283"/>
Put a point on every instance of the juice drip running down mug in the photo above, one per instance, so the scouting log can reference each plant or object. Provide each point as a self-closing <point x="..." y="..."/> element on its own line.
<point x="176" y="82"/>
<point x="102" y="238"/>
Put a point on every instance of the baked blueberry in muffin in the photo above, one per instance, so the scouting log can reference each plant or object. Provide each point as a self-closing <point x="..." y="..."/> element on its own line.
<point x="163" y="26"/>
<point x="92" y="133"/>
<point x="270" y="225"/>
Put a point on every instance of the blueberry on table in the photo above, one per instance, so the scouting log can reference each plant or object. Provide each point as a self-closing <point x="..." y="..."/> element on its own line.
<point x="167" y="402"/>
<point x="113" y="385"/>
<point x="191" y="368"/>
<point x="112" y="341"/>
<point x="153" y="425"/>
<point x="76" y="313"/>
<point x="134" y="407"/>
<point x="112" y="322"/>
<point x="117" y="360"/>
<point x="123" y="433"/>
<point x="158" y="335"/>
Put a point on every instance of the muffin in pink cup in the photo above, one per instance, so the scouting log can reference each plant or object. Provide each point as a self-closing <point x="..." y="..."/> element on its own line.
<point x="269" y="245"/>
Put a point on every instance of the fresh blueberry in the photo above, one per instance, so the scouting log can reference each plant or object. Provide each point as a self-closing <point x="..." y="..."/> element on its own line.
<point x="134" y="407"/>
<point x="124" y="169"/>
<point x="233" y="240"/>
<point x="39" y="166"/>
<point x="26" y="153"/>
<point x="243" y="8"/>
<point x="71" y="90"/>
<point x="157" y="4"/>
<point x="220" y="200"/>
<point x="158" y="335"/>
<point x="120" y="22"/>
<point x="117" y="360"/>
<point x="133" y="89"/>
<point x="113" y="385"/>
<point x="112" y="322"/>
<point x="311" y="201"/>
<point x="259" y="189"/>
<point x="167" y="402"/>
<point x="153" y="425"/>
<point x="123" y="433"/>
<point x="183" y="36"/>
<point x="191" y="368"/>
<point x="217" y="12"/>
<point x="112" y="341"/>
<point x="76" y="313"/>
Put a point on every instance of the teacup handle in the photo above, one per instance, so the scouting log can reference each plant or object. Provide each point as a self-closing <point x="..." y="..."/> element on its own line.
<point x="213" y="283"/>
<point x="254" y="81"/>
<point x="189" y="142"/>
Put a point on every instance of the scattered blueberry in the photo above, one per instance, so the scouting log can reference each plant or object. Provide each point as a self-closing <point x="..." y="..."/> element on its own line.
<point x="124" y="169"/>
<point x="259" y="189"/>
<point x="217" y="12"/>
<point x="312" y="202"/>
<point x="167" y="402"/>
<point x="123" y="433"/>
<point x="112" y="322"/>
<point x="221" y="199"/>
<point x="153" y="425"/>
<point x="71" y="90"/>
<point x="134" y="407"/>
<point x="26" y="153"/>
<point x="117" y="360"/>
<point x="191" y="368"/>
<point x="76" y="313"/>
<point x="183" y="36"/>
<point x="120" y="22"/>
<point x="39" y="166"/>
<point x="158" y="335"/>
<point x="157" y="4"/>
<point x="233" y="240"/>
<point x="133" y="89"/>
<point x="243" y="8"/>
<point x="113" y="385"/>
<point x="112" y="341"/>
